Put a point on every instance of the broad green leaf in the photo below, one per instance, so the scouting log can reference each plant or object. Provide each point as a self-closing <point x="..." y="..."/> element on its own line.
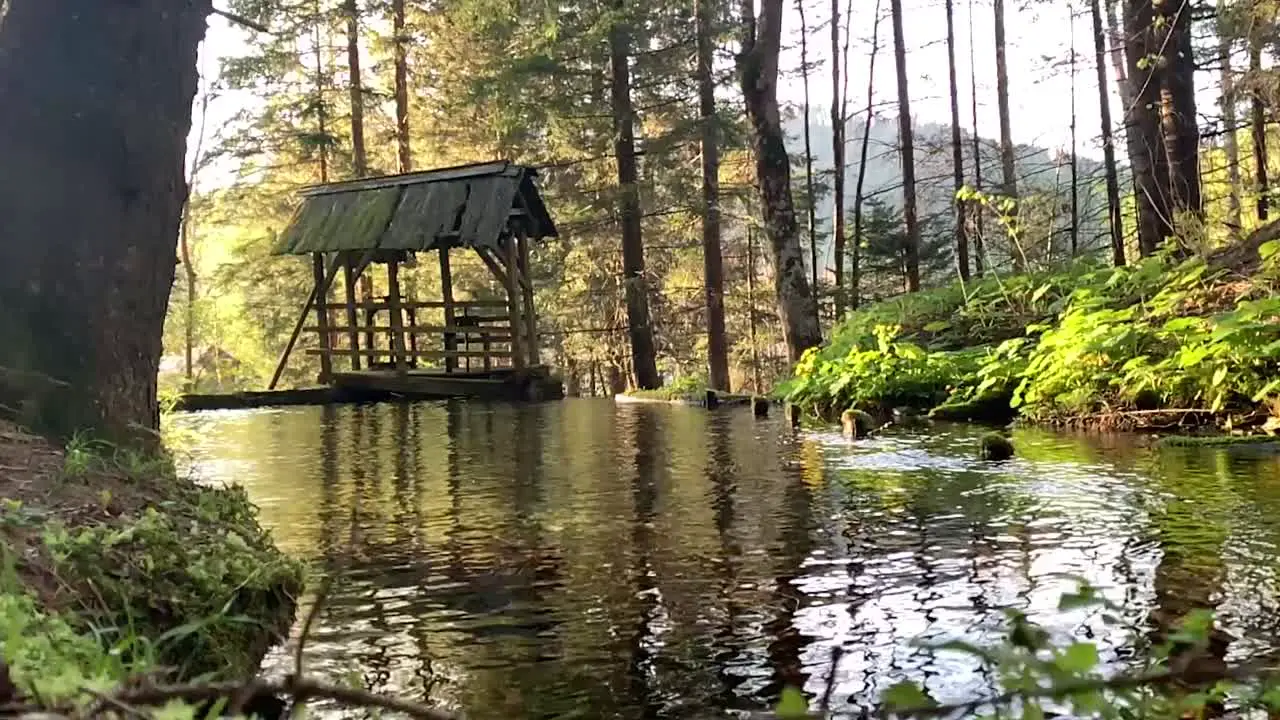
<point x="792" y="704"/>
<point x="937" y="326"/>
<point x="1078" y="658"/>
<point x="906" y="695"/>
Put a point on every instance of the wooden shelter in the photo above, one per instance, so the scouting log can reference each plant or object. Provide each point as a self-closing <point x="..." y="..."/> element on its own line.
<point x="479" y="346"/>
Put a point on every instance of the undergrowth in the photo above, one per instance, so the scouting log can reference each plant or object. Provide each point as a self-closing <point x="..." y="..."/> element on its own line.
<point x="1108" y="346"/>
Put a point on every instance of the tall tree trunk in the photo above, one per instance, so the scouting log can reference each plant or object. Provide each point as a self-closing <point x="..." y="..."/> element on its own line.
<point x="93" y="129"/>
<point x="1075" y="160"/>
<point x="359" y="157"/>
<point x="402" y="87"/>
<point x="1149" y="164"/>
<point x="1258" y="123"/>
<point x="712" y="263"/>
<point x="837" y="162"/>
<point x="758" y="66"/>
<point x="957" y="150"/>
<point x="855" y="274"/>
<point x="643" y="351"/>
<point x="1007" y="167"/>
<point x="322" y="113"/>
<point x="979" y="239"/>
<point x="808" y="159"/>
<point x="1227" y="103"/>
<point x="184" y="248"/>
<point x="1178" y="125"/>
<point x="1137" y="153"/>
<point x="1108" y="141"/>
<point x="906" y="142"/>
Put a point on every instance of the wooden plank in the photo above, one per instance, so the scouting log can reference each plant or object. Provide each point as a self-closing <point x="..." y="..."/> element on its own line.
<point x="446" y="297"/>
<point x="423" y="305"/>
<point x="494" y="266"/>
<point x="297" y="330"/>
<point x="513" y="298"/>
<point x="423" y="329"/>
<point x="502" y="354"/>
<point x="526" y="284"/>
<point x="397" y="318"/>
<point x="349" y="280"/>
<point x="322" y="314"/>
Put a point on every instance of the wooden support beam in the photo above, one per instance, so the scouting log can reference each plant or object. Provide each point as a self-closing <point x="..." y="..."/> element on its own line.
<point x="398" y="350"/>
<point x="526" y="284"/>
<point x="497" y="332"/>
<point x="322" y="281"/>
<point x="513" y="298"/>
<point x="349" y="281"/>
<point x="416" y="354"/>
<point x="457" y="304"/>
<point x="494" y="265"/>
<point x="313" y="300"/>
<point x="446" y="296"/>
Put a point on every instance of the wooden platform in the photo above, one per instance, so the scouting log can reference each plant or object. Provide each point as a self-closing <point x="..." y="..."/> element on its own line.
<point x="531" y="384"/>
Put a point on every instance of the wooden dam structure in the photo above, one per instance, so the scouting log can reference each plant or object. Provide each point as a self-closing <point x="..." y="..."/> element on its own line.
<point x="401" y="345"/>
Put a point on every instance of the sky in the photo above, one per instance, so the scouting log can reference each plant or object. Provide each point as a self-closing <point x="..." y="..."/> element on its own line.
<point x="1038" y="36"/>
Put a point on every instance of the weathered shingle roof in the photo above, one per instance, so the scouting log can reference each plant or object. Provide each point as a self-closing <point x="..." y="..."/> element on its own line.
<point x="467" y="206"/>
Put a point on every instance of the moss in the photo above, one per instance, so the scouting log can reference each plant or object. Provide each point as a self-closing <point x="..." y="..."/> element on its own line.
<point x="124" y="550"/>
<point x="995" y="446"/>
<point x="1217" y="440"/>
<point x="856" y="423"/>
<point x="992" y="410"/>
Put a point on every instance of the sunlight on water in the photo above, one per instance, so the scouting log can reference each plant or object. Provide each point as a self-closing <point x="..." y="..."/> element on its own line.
<point x="582" y="559"/>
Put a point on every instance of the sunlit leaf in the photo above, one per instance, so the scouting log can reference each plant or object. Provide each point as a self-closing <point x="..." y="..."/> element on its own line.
<point x="1078" y="658"/>
<point x="906" y="695"/>
<point x="792" y="704"/>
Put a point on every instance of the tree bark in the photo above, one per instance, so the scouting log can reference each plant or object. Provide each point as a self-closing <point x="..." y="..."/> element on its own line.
<point x="93" y="129"/>
<point x="979" y="251"/>
<point x="359" y="156"/>
<point x="855" y="274"/>
<point x="808" y="158"/>
<point x="837" y="162"/>
<point x="1149" y="164"/>
<point x="643" y="351"/>
<point x="906" y="142"/>
<point x="957" y="150"/>
<point x="758" y="67"/>
<point x="1007" y="167"/>
<point x="1227" y="103"/>
<point x="1108" y="141"/>
<point x="712" y="262"/>
<point x="184" y="249"/>
<point x="403" y="145"/>
<point x="1075" y="160"/>
<point x="1179" y="129"/>
<point x="1258" y="123"/>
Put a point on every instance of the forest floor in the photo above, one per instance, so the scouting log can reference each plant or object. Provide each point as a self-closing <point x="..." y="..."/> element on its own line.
<point x="1166" y="343"/>
<point x="115" y="567"/>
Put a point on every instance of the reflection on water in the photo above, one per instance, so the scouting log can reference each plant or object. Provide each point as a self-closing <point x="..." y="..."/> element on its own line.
<point x="582" y="559"/>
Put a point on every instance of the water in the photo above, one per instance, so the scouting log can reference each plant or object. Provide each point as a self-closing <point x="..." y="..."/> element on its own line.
<point x="581" y="559"/>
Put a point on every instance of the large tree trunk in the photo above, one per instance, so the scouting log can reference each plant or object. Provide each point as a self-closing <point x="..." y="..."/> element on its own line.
<point x="906" y="142"/>
<point x="402" y="87"/>
<point x="1075" y="158"/>
<point x="837" y="161"/>
<point x="855" y="275"/>
<point x="808" y="158"/>
<point x="957" y="150"/>
<point x="979" y="251"/>
<point x="712" y="263"/>
<point x="359" y="156"/>
<point x="1227" y="103"/>
<point x="1258" y="123"/>
<point x="93" y="130"/>
<point x="758" y="65"/>
<point x="1007" y="162"/>
<point x="1149" y="164"/>
<point x="643" y="352"/>
<point x="184" y="250"/>
<point x="1179" y="129"/>
<point x="1108" y="142"/>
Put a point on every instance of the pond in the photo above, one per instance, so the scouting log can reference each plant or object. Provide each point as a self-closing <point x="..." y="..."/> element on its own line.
<point x="592" y="559"/>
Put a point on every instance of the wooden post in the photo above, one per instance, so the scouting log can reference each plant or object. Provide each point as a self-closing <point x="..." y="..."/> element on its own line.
<point x="349" y="280"/>
<point x="446" y="296"/>
<point x="526" y="285"/>
<point x="322" y="315"/>
<point x="513" y="299"/>
<point x="397" y="319"/>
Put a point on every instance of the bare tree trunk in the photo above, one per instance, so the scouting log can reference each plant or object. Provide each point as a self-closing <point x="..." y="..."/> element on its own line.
<point x="1108" y="141"/>
<point x="1178" y="125"/>
<point x="1258" y="121"/>
<point x="184" y="248"/>
<point x="1075" y="161"/>
<point x="402" y="87"/>
<point x="359" y="157"/>
<point x="1009" y="171"/>
<point x="91" y="198"/>
<point x="837" y="162"/>
<point x="712" y="263"/>
<point x="322" y="114"/>
<point x="643" y="351"/>
<point x="862" y="160"/>
<point x="751" y="308"/>
<point x="906" y="142"/>
<point x="957" y="150"/>
<point x="758" y="65"/>
<point x="979" y="251"/>
<point x="1227" y="103"/>
<point x="1149" y="164"/>
<point x="808" y="159"/>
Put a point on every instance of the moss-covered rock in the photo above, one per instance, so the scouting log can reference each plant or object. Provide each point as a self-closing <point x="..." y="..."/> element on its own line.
<point x="856" y="423"/>
<point x="995" y="446"/>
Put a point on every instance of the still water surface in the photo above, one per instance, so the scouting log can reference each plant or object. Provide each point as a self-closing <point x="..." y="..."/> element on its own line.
<point x="586" y="559"/>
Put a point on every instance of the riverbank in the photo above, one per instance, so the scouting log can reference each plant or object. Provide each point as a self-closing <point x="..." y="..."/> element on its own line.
<point x="1158" y="345"/>
<point x="114" y="566"/>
